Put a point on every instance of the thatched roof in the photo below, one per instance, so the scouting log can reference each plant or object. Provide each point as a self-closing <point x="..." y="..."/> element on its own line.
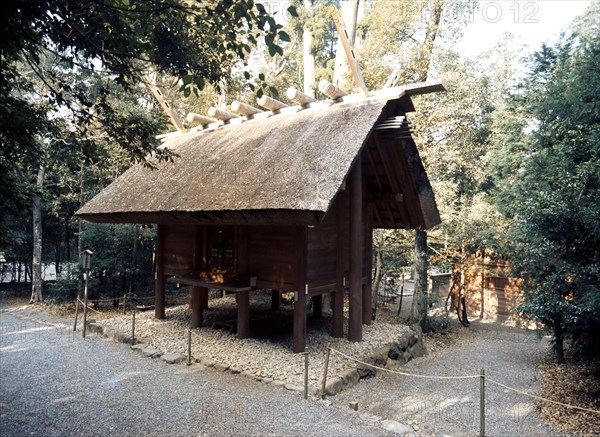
<point x="284" y="169"/>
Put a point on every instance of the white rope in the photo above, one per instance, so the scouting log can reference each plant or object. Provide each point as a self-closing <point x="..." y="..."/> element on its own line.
<point x="464" y="377"/>
<point x="403" y="373"/>
<point x="540" y="398"/>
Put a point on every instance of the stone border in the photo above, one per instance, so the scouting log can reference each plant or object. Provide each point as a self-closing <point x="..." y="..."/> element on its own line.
<point x="391" y="356"/>
<point x="142" y="345"/>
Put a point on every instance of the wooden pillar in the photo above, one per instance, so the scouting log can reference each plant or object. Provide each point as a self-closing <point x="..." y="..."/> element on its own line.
<point x="356" y="253"/>
<point x="368" y="263"/>
<point x="204" y="298"/>
<point x="243" y="316"/>
<point x="300" y="295"/>
<point x="159" y="285"/>
<point x="197" y="292"/>
<point x="275" y="299"/>
<point x="197" y="314"/>
<point x="318" y="306"/>
<point x="337" y="298"/>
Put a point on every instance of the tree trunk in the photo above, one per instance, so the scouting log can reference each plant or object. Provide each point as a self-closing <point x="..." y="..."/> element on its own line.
<point x="80" y="227"/>
<point x="482" y="295"/>
<point x="419" y="314"/>
<point x="376" y="281"/>
<point x="36" y="263"/>
<point x="133" y="269"/>
<point x="308" y="55"/>
<point x="349" y="12"/>
<point x="559" y="351"/>
<point x="57" y="259"/>
<point x="418" y="311"/>
<point x="430" y="36"/>
<point x="67" y="240"/>
<point x="401" y="296"/>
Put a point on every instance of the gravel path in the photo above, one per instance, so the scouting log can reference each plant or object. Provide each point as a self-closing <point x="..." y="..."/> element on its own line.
<point x="267" y="353"/>
<point x="54" y="383"/>
<point x="434" y="406"/>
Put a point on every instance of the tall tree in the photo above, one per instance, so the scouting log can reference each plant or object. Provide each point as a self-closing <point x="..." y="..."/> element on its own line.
<point x="549" y="187"/>
<point x="308" y="52"/>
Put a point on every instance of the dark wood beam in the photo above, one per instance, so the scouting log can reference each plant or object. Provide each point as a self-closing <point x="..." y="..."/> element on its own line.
<point x="372" y="196"/>
<point x="386" y="151"/>
<point x="198" y="262"/>
<point x="243" y="315"/>
<point x="318" y="306"/>
<point x="197" y="313"/>
<point x="373" y="165"/>
<point x="160" y="283"/>
<point x="275" y="299"/>
<point x="337" y="302"/>
<point x="393" y="183"/>
<point x="356" y="253"/>
<point x="301" y="288"/>
<point x="368" y="262"/>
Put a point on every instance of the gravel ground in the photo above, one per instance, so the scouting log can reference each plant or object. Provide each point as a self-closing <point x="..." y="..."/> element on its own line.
<point x="508" y="355"/>
<point x="54" y="383"/>
<point x="267" y="353"/>
<point x="47" y="389"/>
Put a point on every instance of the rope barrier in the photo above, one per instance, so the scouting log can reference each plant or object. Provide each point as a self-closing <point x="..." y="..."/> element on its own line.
<point x="106" y="300"/>
<point x="541" y="398"/>
<point x="88" y="307"/>
<point x="487" y="378"/>
<point x="403" y="373"/>
<point x="141" y="298"/>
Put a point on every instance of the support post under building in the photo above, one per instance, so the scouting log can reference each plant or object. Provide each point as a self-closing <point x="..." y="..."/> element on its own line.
<point x="356" y="253"/>
<point x="159" y="286"/>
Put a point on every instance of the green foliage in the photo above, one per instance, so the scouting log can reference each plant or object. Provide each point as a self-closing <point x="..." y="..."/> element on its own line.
<point x="62" y="290"/>
<point x="396" y="33"/>
<point x="72" y="100"/>
<point x="122" y="259"/>
<point x="285" y="70"/>
<point x="548" y="176"/>
<point x="117" y="41"/>
<point x="21" y="124"/>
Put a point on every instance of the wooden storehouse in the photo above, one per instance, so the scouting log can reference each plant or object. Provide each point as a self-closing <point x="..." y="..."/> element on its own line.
<point x="283" y="200"/>
<point x="491" y="292"/>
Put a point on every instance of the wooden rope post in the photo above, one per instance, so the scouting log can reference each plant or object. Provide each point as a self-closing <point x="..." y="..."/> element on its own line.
<point x="85" y="302"/>
<point x="133" y="329"/>
<point x="124" y="304"/>
<point x="159" y="286"/>
<point x="76" y="312"/>
<point x="325" y="373"/>
<point x="305" y="375"/>
<point x="189" y="360"/>
<point x="482" y="404"/>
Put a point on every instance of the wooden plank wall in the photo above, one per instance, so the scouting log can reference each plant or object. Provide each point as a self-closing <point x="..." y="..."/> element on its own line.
<point x="179" y="249"/>
<point x="272" y="256"/>
<point x="321" y="252"/>
<point x="500" y="291"/>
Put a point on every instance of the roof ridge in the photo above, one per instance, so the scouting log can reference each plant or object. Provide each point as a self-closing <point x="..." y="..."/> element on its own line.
<point x="210" y="124"/>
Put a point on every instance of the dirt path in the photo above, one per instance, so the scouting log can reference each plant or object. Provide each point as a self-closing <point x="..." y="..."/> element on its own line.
<point x="508" y="355"/>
